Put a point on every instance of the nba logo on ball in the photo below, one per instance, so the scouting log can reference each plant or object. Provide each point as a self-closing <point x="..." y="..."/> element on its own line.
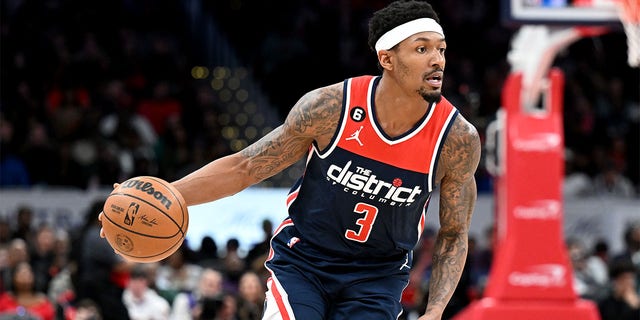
<point x="131" y="213"/>
<point x="145" y="219"/>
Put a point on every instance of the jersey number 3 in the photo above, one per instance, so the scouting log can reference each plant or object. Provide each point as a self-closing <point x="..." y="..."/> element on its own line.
<point x="366" y="223"/>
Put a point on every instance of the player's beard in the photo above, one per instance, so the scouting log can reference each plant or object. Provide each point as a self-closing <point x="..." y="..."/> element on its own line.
<point x="430" y="96"/>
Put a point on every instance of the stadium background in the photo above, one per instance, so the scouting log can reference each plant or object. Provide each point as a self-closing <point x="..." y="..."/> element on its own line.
<point x="95" y="92"/>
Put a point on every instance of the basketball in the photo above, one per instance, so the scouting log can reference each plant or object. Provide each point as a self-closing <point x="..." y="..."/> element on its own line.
<point x="145" y="219"/>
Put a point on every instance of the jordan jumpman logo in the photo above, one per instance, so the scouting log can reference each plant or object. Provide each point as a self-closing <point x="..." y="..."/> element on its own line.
<point x="356" y="136"/>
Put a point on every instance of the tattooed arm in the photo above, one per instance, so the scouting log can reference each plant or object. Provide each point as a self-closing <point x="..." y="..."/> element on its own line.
<point x="458" y="163"/>
<point x="313" y="118"/>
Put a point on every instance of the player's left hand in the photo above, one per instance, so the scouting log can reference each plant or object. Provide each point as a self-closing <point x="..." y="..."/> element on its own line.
<point x="100" y="219"/>
<point x="102" y="235"/>
<point x="115" y="185"/>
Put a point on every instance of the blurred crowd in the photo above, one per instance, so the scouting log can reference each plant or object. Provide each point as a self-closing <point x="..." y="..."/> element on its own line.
<point x="88" y="99"/>
<point x="48" y="274"/>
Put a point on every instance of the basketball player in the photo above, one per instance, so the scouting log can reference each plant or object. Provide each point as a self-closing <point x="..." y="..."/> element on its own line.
<point x="375" y="148"/>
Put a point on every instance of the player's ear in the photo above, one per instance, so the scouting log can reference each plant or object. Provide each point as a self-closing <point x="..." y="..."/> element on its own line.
<point x="384" y="58"/>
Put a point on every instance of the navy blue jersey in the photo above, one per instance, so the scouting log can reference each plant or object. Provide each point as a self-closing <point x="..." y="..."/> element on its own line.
<point x="366" y="194"/>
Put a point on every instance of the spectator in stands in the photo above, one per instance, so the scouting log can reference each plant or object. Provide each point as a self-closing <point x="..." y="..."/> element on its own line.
<point x="483" y="260"/>
<point x="24" y="224"/>
<point x="576" y="183"/>
<point x="22" y="298"/>
<point x="597" y="262"/>
<point x="176" y="274"/>
<point x="207" y="254"/>
<point x="631" y="251"/>
<point x="587" y="282"/>
<point x="258" y="253"/>
<point x="102" y="274"/>
<point x="143" y="302"/>
<point x="233" y="265"/>
<point x="62" y="293"/>
<point x="225" y="312"/>
<point x="38" y="153"/>
<point x="601" y="250"/>
<point x="14" y="172"/>
<point x="17" y="252"/>
<point x="42" y="257"/>
<point x="622" y="301"/>
<point x="611" y="182"/>
<point x="174" y="148"/>
<point x="86" y="310"/>
<point x="160" y="107"/>
<point x="189" y="305"/>
<point x="5" y="232"/>
<point x="250" y="296"/>
<point x="133" y="134"/>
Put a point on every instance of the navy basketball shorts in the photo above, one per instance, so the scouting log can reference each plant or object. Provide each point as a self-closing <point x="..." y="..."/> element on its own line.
<point x="307" y="284"/>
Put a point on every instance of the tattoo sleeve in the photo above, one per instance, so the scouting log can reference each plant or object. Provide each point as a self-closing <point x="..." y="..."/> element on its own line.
<point x="313" y="118"/>
<point x="459" y="158"/>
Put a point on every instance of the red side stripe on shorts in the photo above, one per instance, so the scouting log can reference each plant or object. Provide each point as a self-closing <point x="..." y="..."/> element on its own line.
<point x="279" y="301"/>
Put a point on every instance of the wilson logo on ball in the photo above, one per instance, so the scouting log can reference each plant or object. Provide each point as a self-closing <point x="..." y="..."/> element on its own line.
<point x="148" y="188"/>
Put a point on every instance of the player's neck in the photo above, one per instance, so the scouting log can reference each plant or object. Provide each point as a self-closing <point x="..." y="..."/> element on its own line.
<point x="397" y="110"/>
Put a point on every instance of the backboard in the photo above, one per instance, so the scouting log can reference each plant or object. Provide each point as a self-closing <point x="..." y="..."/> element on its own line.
<point x="560" y="12"/>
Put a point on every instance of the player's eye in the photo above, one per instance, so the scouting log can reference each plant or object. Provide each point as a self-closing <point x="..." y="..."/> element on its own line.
<point x="442" y="50"/>
<point x="421" y="49"/>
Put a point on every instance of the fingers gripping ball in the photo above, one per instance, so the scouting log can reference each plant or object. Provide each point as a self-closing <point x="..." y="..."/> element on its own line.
<point x="145" y="219"/>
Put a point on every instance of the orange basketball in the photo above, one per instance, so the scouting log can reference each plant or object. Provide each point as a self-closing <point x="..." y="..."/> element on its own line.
<point x="145" y="219"/>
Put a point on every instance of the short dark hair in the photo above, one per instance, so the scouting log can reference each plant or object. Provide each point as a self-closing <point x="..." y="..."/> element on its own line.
<point x="138" y="272"/>
<point x="395" y="14"/>
<point x="628" y="233"/>
<point x="620" y="267"/>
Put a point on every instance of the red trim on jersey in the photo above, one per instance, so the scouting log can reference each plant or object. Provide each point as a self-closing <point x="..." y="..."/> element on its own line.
<point x="417" y="146"/>
<point x="423" y="218"/>
<point x="292" y="196"/>
<point x="270" y="256"/>
<point x="421" y="224"/>
<point x="285" y="223"/>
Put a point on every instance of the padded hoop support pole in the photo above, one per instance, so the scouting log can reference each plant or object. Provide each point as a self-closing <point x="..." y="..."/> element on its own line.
<point x="531" y="275"/>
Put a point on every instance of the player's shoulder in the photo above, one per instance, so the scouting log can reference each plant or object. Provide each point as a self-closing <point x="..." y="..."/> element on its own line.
<point x="461" y="151"/>
<point x="462" y="148"/>
<point x="322" y="107"/>
<point x="463" y="140"/>
<point x="463" y="131"/>
<point x="317" y="112"/>
<point x="323" y="97"/>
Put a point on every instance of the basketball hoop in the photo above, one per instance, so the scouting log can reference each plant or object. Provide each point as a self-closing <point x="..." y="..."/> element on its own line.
<point x="533" y="49"/>
<point x="629" y="12"/>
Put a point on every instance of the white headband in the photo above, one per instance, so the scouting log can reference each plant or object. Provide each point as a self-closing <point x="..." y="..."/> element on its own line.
<point x="405" y="30"/>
